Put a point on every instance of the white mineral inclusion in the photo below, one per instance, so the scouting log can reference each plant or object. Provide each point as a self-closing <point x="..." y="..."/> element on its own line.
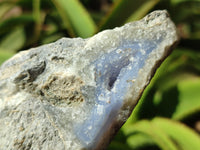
<point x="77" y="91"/>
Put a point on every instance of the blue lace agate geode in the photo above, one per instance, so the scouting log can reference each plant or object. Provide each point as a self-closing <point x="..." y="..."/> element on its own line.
<point x="76" y="93"/>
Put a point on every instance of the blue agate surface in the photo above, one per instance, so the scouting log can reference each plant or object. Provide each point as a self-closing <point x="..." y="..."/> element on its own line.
<point x="113" y="72"/>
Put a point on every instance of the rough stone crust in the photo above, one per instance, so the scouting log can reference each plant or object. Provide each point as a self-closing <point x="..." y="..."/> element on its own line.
<point x="59" y="95"/>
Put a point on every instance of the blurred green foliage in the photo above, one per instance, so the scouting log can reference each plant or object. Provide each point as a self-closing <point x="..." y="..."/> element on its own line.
<point x="168" y="114"/>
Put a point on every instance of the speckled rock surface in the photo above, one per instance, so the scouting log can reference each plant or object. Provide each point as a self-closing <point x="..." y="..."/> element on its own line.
<point x="76" y="93"/>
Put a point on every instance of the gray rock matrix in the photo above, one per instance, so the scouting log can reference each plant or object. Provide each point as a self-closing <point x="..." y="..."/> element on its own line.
<point x="75" y="94"/>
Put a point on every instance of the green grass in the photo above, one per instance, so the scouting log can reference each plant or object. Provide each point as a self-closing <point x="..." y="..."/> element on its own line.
<point x="166" y="115"/>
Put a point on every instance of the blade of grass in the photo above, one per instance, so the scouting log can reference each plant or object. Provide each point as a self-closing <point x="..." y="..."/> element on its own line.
<point x="176" y="2"/>
<point x="39" y="19"/>
<point x="11" y="23"/>
<point x="183" y="136"/>
<point x="189" y="97"/>
<point x="13" y="41"/>
<point x="143" y="10"/>
<point x="75" y="17"/>
<point x="181" y="70"/>
<point x="157" y="135"/>
<point x="139" y="141"/>
<point x="64" y="17"/>
<point x="123" y="9"/>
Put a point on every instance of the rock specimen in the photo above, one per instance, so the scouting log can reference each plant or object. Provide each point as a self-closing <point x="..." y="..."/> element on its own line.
<point x="76" y="93"/>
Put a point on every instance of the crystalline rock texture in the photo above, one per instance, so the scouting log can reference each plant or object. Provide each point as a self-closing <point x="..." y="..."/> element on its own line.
<point x="76" y="93"/>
